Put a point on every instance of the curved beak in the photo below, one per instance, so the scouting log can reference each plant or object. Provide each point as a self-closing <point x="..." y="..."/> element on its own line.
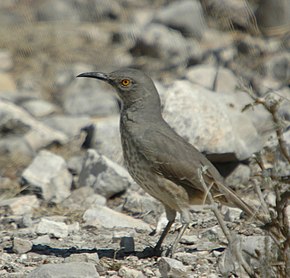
<point x="97" y="75"/>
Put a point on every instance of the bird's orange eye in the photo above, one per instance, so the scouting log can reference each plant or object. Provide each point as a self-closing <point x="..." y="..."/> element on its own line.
<point x="125" y="82"/>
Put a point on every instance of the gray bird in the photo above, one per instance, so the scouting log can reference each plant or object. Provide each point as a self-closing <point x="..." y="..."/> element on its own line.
<point x="159" y="160"/>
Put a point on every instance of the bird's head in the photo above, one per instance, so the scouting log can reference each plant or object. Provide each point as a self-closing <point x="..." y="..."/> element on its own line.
<point x="133" y="86"/>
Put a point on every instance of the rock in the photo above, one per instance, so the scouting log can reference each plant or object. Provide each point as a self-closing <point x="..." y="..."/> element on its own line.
<point x="215" y="126"/>
<point x="105" y="176"/>
<point x="36" y="135"/>
<point x="106" y="138"/>
<point x="83" y="257"/>
<point x="54" y="228"/>
<point x="185" y="16"/>
<point x="108" y="218"/>
<point x="48" y="176"/>
<point x="186" y="258"/>
<point x="64" y="270"/>
<point x="6" y="61"/>
<point x="189" y="239"/>
<point x="273" y="16"/>
<point x="232" y="214"/>
<point x="69" y="125"/>
<point x="57" y="10"/>
<point x="240" y="175"/>
<point x="127" y="244"/>
<point x="21" y="245"/>
<point x="209" y="76"/>
<point x="143" y="204"/>
<point x="83" y="198"/>
<point x="20" y="205"/>
<point x="155" y="41"/>
<point x="127" y="272"/>
<point x="74" y="164"/>
<point x="88" y="97"/>
<point x="42" y="240"/>
<point x="7" y="83"/>
<point x="172" y="268"/>
<point x="39" y="108"/>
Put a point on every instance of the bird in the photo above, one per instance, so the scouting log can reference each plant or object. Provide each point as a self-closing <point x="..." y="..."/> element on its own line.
<point x="162" y="162"/>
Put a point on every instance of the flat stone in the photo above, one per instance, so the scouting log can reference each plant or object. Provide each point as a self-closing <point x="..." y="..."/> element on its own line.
<point x="64" y="270"/>
<point x="36" y="134"/>
<point x="39" y="108"/>
<point x="54" y="228"/>
<point x="20" y="205"/>
<point x="42" y="240"/>
<point x="69" y="125"/>
<point x="48" y="176"/>
<point x="83" y="257"/>
<point x="108" y="218"/>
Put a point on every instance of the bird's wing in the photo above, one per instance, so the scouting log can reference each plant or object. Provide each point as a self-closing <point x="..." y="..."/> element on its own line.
<point x="175" y="159"/>
<point x="178" y="161"/>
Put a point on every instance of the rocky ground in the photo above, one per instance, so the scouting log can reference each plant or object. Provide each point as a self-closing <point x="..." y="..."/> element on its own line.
<point x="68" y="207"/>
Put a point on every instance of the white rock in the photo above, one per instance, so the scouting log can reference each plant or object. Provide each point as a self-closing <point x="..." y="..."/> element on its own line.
<point x="56" y="229"/>
<point x="20" y="205"/>
<point x="48" y="176"/>
<point x="108" y="218"/>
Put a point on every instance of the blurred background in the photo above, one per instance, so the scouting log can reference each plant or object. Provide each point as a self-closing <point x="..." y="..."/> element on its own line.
<point x="222" y="69"/>
<point x="225" y="47"/>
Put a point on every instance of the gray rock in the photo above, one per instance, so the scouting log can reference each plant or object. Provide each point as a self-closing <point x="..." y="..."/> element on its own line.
<point x="273" y="16"/>
<point x="127" y="272"/>
<point x="212" y="122"/>
<point x="171" y="268"/>
<point x="186" y="258"/>
<point x="65" y="270"/>
<point x="88" y="97"/>
<point x="69" y="125"/>
<point x="108" y="218"/>
<point x="54" y="228"/>
<point x="185" y="16"/>
<point x="205" y="75"/>
<point x="20" y="205"/>
<point x="21" y="246"/>
<point x="232" y="214"/>
<point x="156" y="41"/>
<point x="36" y="134"/>
<point x="83" y="257"/>
<point x="104" y="175"/>
<point x="56" y="11"/>
<point x="48" y="176"/>
<point x="39" y="108"/>
<point x="240" y="175"/>
<point x="83" y="198"/>
<point x="15" y="146"/>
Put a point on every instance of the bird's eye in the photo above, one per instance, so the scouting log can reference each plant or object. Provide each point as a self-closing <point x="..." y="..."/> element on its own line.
<point x="125" y="82"/>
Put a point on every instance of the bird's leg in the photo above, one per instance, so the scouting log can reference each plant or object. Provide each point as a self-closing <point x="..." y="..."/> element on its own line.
<point x="170" y="214"/>
<point x="171" y="250"/>
<point x="163" y="235"/>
